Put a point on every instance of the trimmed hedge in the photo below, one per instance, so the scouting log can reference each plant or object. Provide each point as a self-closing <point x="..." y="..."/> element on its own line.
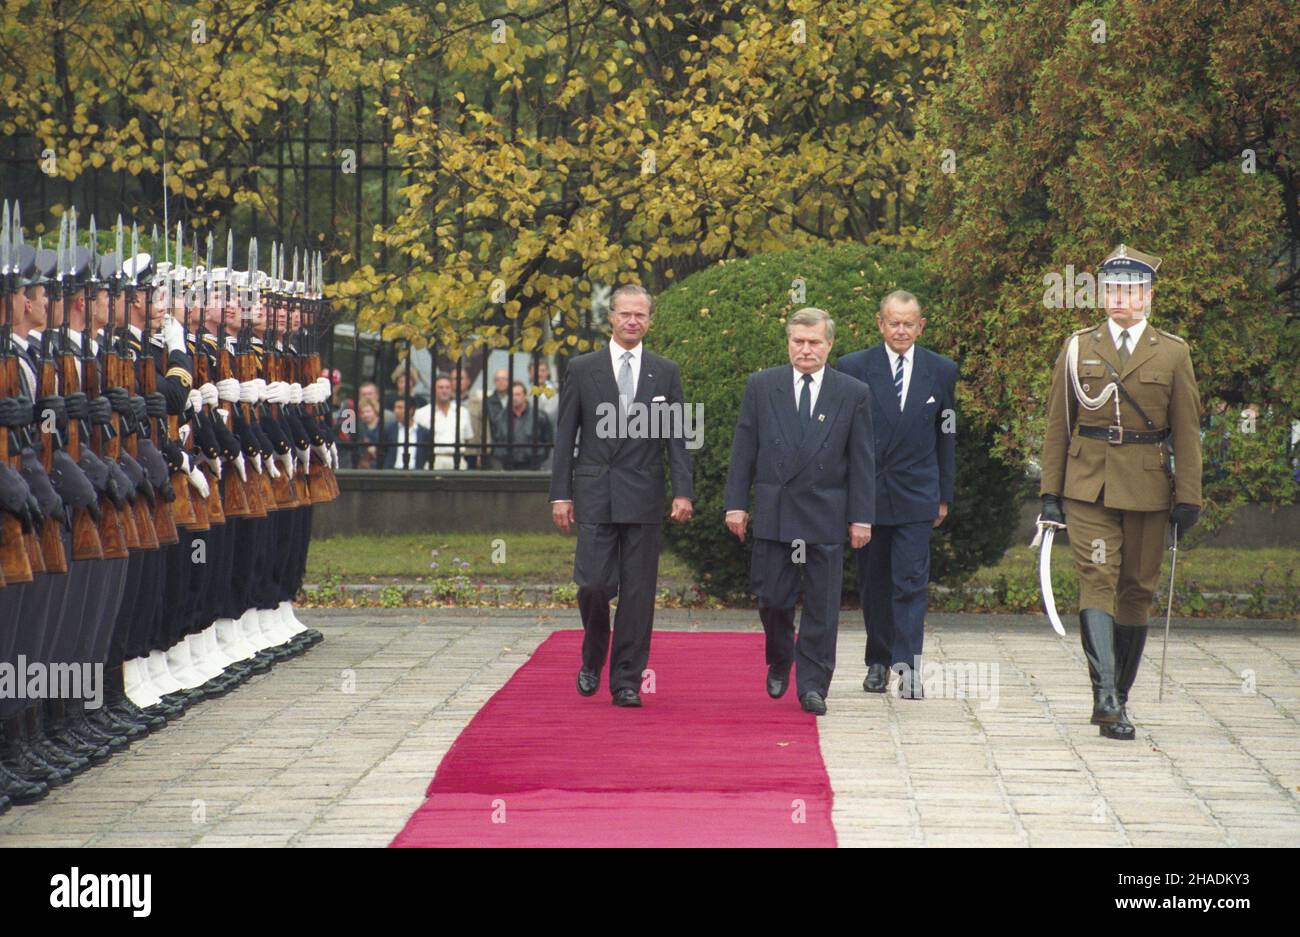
<point x="722" y="324"/>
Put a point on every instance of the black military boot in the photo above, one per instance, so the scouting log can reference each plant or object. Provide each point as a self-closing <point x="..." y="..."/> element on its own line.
<point x="1097" y="630"/>
<point x="49" y="726"/>
<point x="28" y="763"/>
<point x="1129" y="641"/>
<point x="20" y="791"/>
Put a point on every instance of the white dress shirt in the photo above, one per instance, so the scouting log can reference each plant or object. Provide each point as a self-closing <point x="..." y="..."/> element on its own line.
<point x="25" y="367"/>
<point x="813" y="389"/>
<point x="616" y="357"/>
<point x="907" y="369"/>
<point x="1134" y="333"/>
<point x="406" y="454"/>
<point x="443" y="426"/>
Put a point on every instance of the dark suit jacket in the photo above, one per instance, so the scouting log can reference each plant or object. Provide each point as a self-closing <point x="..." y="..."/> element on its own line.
<point x="809" y="490"/>
<point x="420" y="451"/>
<point x="614" y="480"/>
<point x="915" y="458"/>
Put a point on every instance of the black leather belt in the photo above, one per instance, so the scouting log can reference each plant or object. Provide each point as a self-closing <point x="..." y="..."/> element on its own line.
<point x="1118" y="435"/>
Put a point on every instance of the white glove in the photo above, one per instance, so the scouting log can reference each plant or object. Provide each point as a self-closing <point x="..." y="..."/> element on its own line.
<point x="209" y="395"/>
<point x="259" y="387"/>
<point x="241" y="467"/>
<point x="187" y="464"/>
<point x="224" y="415"/>
<point x="271" y="469"/>
<point x="304" y="458"/>
<point x="311" y="394"/>
<point x="286" y="459"/>
<point x="257" y="463"/>
<point x="228" y="390"/>
<point x="327" y="389"/>
<point x="200" y="483"/>
<point x="173" y="334"/>
<point x="248" y="392"/>
<point x="333" y="461"/>
<point x="214" y="466"/>
<point x="322" y="454"/>
<point x="277" y="392"/>
<point x="295" y="393"/>
<point x="196" y="401"/>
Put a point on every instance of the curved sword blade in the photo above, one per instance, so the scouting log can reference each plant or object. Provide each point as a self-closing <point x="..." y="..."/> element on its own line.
<point x="1045" y="580"/>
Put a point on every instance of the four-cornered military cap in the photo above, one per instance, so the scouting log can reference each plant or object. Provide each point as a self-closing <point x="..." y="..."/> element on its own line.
<point x="1126" y="265"/>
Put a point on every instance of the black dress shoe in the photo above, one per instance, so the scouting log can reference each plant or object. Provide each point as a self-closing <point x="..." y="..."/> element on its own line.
<point x="1122" y="730"/>
<point x="877" y="680"/>
<point x="813" y="703"/>
<point x="125" y="709"/>
<point x="778" y="680"/>
<point x="588" y="681"/>
<point x="629" y="698"/>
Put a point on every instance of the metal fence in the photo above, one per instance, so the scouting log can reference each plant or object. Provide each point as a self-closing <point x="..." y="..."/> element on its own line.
<point x="326" y="179"/>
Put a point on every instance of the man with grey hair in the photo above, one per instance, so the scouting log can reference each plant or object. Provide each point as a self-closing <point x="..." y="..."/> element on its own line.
<point x="614" y="490"/>
<point x="803" y="442"/>
<point x="914" y="415"/>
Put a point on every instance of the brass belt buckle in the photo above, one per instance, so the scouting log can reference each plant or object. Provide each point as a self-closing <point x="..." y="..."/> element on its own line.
<point x="1115" y="435"/>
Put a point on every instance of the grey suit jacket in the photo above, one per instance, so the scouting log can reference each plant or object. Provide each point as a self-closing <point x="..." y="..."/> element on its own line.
<point x="615" y="480"/>
<point x="807" y="489"/>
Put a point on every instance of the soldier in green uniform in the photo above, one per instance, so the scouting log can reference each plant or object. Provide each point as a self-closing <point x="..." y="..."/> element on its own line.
<point x="1121" y="461"/>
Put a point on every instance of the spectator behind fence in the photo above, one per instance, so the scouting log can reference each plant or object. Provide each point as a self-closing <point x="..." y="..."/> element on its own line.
<point x="445" y="420"/>
<point x="528" y="429"/>
<point x="407" y="443"/>
<point x="402" y="390"/>
<point x="370" y="391"/>
<point x="547" y="393"/>
<point x="369" y="435"/>
<point x="471" y="401"/>
<point x="499" y="400"/>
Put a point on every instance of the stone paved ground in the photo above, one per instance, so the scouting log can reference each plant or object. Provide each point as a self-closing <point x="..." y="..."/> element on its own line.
<point x="336" y="747"/>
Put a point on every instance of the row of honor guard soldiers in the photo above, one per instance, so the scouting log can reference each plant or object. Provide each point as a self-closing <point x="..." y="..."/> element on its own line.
<point x="164" y="433"/>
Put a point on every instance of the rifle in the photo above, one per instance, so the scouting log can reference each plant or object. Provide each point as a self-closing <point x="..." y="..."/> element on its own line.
<point x="203" y="375"/>
<point x="116" y="365"/>
<point x="202" y="520"/>
<point x="15" y="546"/>
<point x="113" y="531"/>
<point x="324" y="488"/>
<point x="288" y="494"/>
<point x="86" y="544"/>
<point x="131" y="372"/>
<point x="180" y="513"/>
<point x="251" y="490"/>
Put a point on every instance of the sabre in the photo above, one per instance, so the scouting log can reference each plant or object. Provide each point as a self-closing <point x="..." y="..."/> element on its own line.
<point x="1043" y="540"/>
<point x="1169" y="611"/>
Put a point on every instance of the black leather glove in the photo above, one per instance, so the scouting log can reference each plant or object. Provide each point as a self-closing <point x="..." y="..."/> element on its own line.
<point x="77" y="405"/>
<point x="73" y="486"/>
<point x="120" y="484"/>
<point x="134" y="472"/>
<point x="1184" y="518"/>
<point x="33" y="473"/>
<point x="16" y="497"/>
<point x="101" y="411"/>
<point x="55" y="406"/>
<point x="1053" y="509"/>
<point x="156" y="406"/>
<point x="155" y="468"/>
<point x="15" y="412"/>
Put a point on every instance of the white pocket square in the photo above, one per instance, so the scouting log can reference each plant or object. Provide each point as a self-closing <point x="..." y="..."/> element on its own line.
<point x="931" y="400"/>
<point x="657" y="399"/>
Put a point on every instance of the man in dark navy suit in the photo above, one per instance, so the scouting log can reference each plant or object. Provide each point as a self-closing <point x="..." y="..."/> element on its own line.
<point x="803" y="441"/>
<point x="914" y="415"/>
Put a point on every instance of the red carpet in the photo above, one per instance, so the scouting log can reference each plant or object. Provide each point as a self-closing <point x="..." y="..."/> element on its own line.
<point x="708" y="761"/>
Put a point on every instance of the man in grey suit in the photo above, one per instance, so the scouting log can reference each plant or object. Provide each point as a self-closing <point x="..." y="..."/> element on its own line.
<point x="804" y="442"/>
<point x="614" y="490"/>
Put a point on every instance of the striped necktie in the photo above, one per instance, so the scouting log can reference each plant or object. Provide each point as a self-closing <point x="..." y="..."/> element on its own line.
<point x="898" y="381"/>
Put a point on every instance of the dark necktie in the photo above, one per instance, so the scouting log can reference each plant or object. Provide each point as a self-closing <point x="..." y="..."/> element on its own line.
<point x="898" y="381"/>
<point x="1123" y="348"/>
<point x="805" y="404"/>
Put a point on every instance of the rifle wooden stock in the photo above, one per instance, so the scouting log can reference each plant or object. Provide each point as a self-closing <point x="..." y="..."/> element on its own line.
<point x="86" y="544"/>
<point x="15" y="563"/>
<point x="184" y="509"/>
<point x="114" y="534"/>
<point x="121" y="374"/>
<point x="53" y="551"/>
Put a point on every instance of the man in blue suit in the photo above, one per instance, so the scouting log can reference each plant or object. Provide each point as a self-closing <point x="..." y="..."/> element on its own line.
<point x="803" y="441"/>
<point x="914" y="414"/>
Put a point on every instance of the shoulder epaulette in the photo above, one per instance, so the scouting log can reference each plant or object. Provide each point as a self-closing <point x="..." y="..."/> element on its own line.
<point x="1178" y="338"/>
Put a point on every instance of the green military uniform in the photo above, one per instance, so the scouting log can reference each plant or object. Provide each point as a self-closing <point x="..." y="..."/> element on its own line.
<point x="1117" y="468"/>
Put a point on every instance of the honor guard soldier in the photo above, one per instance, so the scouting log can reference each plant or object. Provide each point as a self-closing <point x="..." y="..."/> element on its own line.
<point x="1121" y="462"/>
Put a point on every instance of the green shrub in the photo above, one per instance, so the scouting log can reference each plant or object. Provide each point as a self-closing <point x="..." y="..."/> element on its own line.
<point x="722" y="324"/>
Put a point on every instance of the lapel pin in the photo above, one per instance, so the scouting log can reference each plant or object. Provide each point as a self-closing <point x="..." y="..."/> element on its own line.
<point x="821" y="418"/>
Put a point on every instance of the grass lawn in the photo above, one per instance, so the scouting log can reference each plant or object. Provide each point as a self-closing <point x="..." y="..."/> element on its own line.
<point x="533" y="558"/>
<point x="528" y="558"/>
